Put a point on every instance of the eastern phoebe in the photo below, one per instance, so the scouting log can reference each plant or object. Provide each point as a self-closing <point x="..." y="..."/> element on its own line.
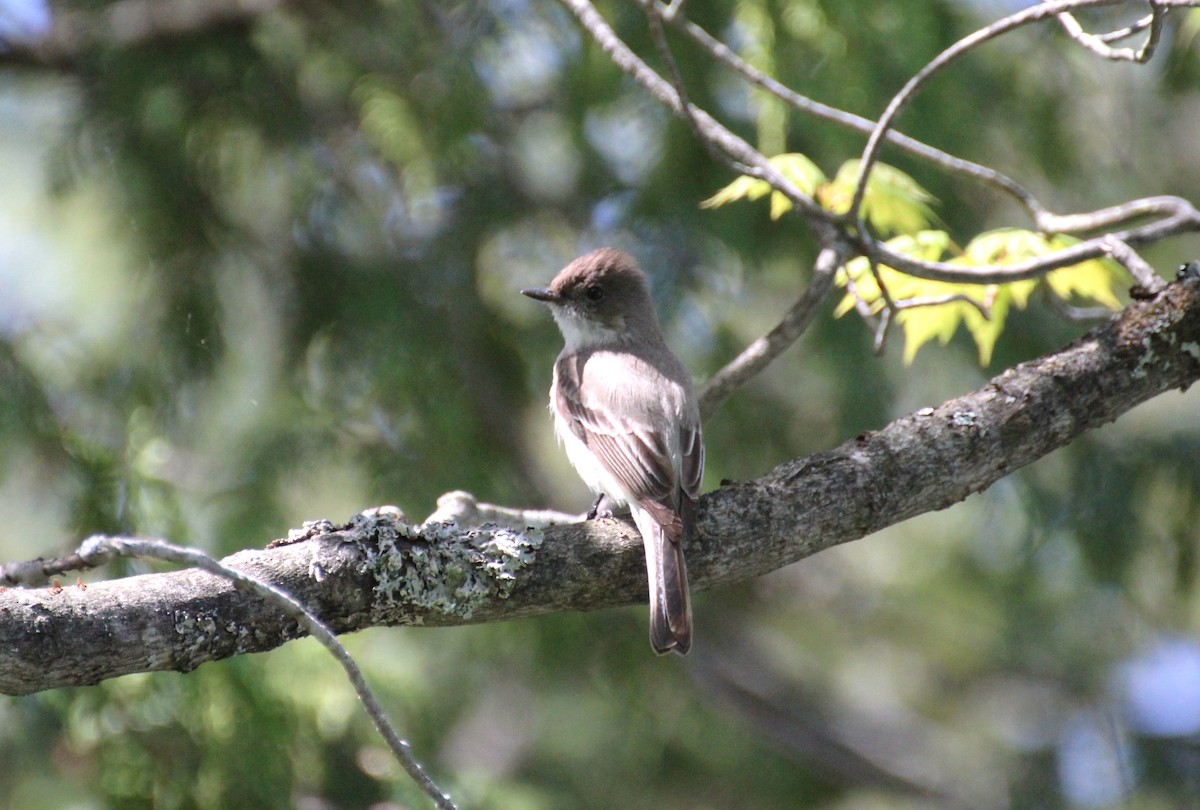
<point x="624" y="409"/>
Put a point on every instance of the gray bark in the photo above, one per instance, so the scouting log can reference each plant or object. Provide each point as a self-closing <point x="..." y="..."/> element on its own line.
<point x="377" y="570"/>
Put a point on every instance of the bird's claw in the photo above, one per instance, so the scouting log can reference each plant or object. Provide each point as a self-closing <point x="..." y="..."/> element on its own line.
<point x="600" y="509"/>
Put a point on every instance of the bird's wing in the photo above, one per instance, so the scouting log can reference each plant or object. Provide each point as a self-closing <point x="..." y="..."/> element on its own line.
<point x="616" y="423"/>
<point x="691" y="446"/>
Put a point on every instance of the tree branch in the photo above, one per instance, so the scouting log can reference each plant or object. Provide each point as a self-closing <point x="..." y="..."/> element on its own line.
<point x="1033" y="14"/>
<point x="1174" y="214"/>
<point x="717" y="136"/>
<point x="1098" y="44"/>
<point x="727" y="56"/>
<point x="377" y="570"/>
<point x="129" y="23"/>
<point x="759" y="354"/>
<point x="98" y="550"/>
<point x="1180" y="216"/>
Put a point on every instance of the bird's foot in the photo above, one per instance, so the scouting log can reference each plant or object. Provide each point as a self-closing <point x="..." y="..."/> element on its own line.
<point x="601" y="508"/>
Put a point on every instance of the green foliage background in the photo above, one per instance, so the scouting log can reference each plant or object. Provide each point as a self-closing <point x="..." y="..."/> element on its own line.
<point x="267" y="272"/>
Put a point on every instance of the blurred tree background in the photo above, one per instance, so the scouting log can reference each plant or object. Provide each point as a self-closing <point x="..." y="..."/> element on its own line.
<point x="262" y="266"/>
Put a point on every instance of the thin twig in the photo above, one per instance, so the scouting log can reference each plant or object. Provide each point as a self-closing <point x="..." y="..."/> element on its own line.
<point x="939" y="300"/>
<point x="33" y="573"/>
<point x="887" y="310"/>
<point x="906" y="94"/>
<point x="727" y="56"/>
<point x="1165" y="206"/>
<point x="755" y="357"/>
<point x="879" y="343"/>
<point x="1181" y="216"/>
<point x="98" y="549"/>
<point x="1137" y="267"/>
<point x="1178" y="214"/>
<point x="1128" y="31"/>
<point x="732" y="145"/>
<point x="875" y="315"/>
<point x="654" y="15"/>
<point x="1098" y="44"/>
<point x="888" y="303"/>
<point x="882" y="313"/>
<point x="1074" y="313"/>
<point x="861" y="305"/>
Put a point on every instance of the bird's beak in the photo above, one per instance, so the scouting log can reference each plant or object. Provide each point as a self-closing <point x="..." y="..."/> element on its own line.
<point x="545" y="294"/>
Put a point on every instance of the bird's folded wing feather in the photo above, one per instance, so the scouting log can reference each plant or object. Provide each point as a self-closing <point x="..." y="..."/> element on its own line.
<point x="618" y="428"/>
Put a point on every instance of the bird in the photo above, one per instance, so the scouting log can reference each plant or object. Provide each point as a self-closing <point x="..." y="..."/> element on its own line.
<point x="626" y="414"/>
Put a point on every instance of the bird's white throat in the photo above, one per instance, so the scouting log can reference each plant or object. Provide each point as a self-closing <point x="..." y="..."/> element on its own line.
<point x="580" y="332"/>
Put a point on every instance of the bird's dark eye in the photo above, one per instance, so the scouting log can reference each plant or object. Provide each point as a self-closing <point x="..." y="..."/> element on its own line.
<point x="594" y="292"/>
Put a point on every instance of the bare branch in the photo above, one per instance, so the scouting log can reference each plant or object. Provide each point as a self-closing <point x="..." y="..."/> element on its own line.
<point x="712" y="130"/>
<point x="1169" y="208"/>
<point x="1077" y="314"/>
<point x="727" y="56"/>
<point x="127" y="23"/>
<point x="1128" y="31"/>
<point x="901" y="100"/>
<point x="875" y="314"/>
<point x="1141" y="271"/>
<point x="461" y="508"/>
<point x="40" y="572"/>
<point x="654" y="15"/>
<point x="379" y="571"/>
<point x="1182" y="217"/>
<point x="97" y="550"/>
<point x="864" y="309"/>
<point x="1177" y="215"/>
<point x="1098" y="44"/>
<point x="881" y="312"/>
<point x="759" y="354"/>
<point x="939" y="300"/>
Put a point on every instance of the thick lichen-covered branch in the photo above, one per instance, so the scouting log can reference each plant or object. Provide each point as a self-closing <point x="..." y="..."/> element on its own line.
<point x="377" y="569"/>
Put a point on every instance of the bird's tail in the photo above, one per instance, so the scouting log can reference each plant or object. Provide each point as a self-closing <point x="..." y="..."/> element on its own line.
<point x="670" y="604"/>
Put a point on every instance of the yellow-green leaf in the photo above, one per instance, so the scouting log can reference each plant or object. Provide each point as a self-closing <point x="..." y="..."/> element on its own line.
<point x="1006" y="246"/>
<point x="803" y="173"/>
<point x="1094" y="279"/>
<point x="923" y="324"/>
<point x="743" y="188"/>
<point x="927" y="246"/>
<point x="893" y="203"/>
<point x="940" y="321"/>
<point x="986" y="331"/>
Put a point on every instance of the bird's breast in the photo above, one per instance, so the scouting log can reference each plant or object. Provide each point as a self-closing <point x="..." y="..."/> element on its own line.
<point x="595" y="475"/>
